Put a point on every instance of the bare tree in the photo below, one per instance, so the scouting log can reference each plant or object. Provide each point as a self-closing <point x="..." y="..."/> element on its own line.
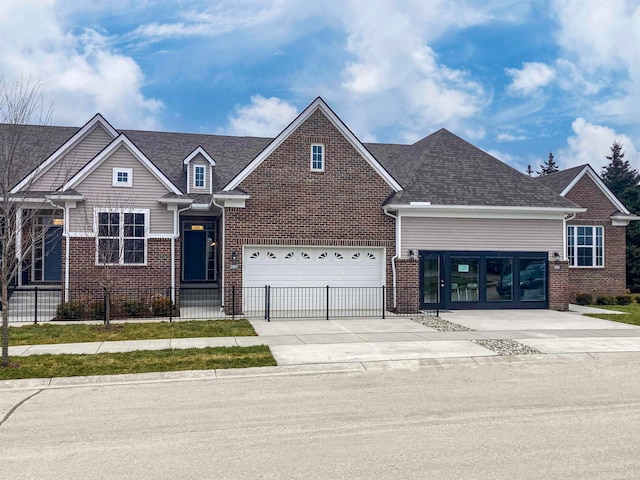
<point x="21" y="107"/>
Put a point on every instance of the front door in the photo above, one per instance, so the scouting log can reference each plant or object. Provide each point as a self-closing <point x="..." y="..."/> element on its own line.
<point x="431" y="281"/>
<point x="195" y="255"/>
<point x="53" y="254"/>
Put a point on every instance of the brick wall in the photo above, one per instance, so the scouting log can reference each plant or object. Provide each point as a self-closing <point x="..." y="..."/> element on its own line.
<point x="408" y="283"/>
<point x="291" y="205"/>
<point x="612" y="278"/>
<point x="156" y="275"/>
<point x="559" y="286"/>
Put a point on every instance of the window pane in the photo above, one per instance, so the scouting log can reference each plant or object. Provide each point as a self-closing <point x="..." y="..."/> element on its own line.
<point x="464" y="279"/>
<point x="533" y="279"/>
<point x="134" y="225"/>
<point x="133" y="251"/>
<point x="499" y="279"/>
<point x="108" y="250"/>
<point x="585" y="256"/>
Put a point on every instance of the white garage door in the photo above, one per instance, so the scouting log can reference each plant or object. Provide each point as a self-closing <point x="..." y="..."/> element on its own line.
<point x="298" y="277"/>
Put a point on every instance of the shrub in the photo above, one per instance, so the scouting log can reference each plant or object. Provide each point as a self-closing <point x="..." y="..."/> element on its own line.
<point x="97" y="310"/>
<point x="584" y="299"/>
<point x="133" y="308"/>
<point x="623" y="299"/>
<point x="73" y="310"/>
<point x="161" y="306"/>
<point x="606" y="300"/>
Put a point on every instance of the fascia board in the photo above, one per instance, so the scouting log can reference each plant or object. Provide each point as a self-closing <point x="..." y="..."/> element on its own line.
<point x="201" y="151"/>
<point x="293" y="126"/>
<point x="64" y="149"/>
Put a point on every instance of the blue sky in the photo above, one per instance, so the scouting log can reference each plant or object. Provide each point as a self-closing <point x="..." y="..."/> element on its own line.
<point x="517" y="78"/>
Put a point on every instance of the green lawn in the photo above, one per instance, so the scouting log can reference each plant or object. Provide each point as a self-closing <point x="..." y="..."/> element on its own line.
<point x="632" y="310"/>
<point x="44" y="366"/>
<point x="50" y="333"/>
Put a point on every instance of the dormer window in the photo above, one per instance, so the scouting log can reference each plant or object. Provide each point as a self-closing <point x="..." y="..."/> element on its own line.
<point x="122" y="177"/>
<point x="317" y="157"/>
<point x="198" y="176"/>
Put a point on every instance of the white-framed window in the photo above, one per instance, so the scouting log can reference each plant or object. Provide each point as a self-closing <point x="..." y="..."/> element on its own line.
<point x="121" y="236"/>
<point x="122" y="177"/>
<point x="585" y="246"/>
<point x="198" y="176"/>
<point x="317" y="157"/>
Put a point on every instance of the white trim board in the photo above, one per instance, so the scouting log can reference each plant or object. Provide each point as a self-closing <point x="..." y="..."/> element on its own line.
<point x="320" y="104"/>
<point x="587" y="170"/>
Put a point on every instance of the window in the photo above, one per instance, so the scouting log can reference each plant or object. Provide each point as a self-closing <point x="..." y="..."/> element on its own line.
<point x="585" y="246"/>
<point x="121" y="238"/>
<point x="122" y="177"/>
<point x="198" y="180"/>
<point x="317" y="157"/>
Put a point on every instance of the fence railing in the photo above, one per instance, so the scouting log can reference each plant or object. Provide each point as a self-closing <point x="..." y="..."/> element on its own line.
<point x="40" y="304"/>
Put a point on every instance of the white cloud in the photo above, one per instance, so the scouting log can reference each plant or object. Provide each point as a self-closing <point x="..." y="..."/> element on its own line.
<point x="590" y="144"/>
<point x="79" y="72"/>
<point x="532" y="77"/>
<point x="509" y="137"/>
<point x="263" y="117"/>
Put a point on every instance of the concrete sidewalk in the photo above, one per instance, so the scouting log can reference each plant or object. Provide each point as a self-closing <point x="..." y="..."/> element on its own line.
<point x="300" y="342"/>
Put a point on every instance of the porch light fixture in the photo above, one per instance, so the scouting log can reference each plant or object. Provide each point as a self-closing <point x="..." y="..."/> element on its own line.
<point x="234" y="260"/>
<point x="58" y="221"/>
<point x="412" y="254"/>
<point x="197" y="227"/>
<point x="212" y="244"/>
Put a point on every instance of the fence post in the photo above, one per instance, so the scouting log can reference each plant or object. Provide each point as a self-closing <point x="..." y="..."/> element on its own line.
<point x="384" y="302"/>
<point x="171" y="304"/>
<point x="233" y="302"/>
<point x="327" y="302"/>
<point x="268" y="303"/>
<point x="35" y="313"/>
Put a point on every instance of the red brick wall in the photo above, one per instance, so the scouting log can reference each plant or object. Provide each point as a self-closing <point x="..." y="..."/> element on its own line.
<point x="559" y="286"/>
<point x="612" y="278"/>
<point x="84" y="274"/>
<point x="408" y="283"/>
<point x="291" y="205"/>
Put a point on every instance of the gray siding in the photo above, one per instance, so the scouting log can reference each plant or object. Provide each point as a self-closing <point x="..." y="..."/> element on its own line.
<point x="74" y="160"/>
<point x="199" y="160"/>
<point x="146" y="191"/>
<point x="481" y="234"/>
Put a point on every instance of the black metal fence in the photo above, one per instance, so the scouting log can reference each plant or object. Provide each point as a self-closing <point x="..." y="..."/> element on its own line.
<point x="40" y="304"/>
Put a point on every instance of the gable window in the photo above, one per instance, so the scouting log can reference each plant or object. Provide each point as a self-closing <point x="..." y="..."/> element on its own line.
<point x="585" y="246"/>
<point x="121" y="237"/>
<point x="317" y="157"/>
<point x="198" y="176"/>
<point x="122" y="177"/>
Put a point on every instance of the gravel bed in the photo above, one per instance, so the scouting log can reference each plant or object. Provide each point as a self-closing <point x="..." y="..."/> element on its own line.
<point x="507" y="347"/>
<point x="440" y="324"/>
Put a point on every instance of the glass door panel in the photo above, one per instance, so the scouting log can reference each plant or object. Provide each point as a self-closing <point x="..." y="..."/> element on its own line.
<point x="431" y="280"/>
<point x="499" y="281"/>
<point x="533" y="279"/>
<point x="464" y="279"/>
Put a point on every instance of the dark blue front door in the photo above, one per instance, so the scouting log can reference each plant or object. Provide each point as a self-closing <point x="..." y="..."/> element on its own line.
<point x="195" y="255"/>
<point x="53" y="254"/>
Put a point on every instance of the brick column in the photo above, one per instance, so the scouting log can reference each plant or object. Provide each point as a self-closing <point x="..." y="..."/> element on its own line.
<point x="407" y="286"/>
<point x="559" y="291"/>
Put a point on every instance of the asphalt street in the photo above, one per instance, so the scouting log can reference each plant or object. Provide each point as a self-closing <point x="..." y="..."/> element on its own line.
<point x="567" y="419"/>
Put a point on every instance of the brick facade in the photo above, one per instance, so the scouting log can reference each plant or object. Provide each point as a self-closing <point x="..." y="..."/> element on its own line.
<point x="156" y="275"/>
<point x="612" y="278"/>
<point x="559" y="286"/>
<point x="291" y="205"/>
<point x="408" y="285"/>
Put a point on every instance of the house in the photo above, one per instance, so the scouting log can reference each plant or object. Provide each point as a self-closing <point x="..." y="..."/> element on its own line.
<point x="439" y="223"/>
<point x="596" y="245"/>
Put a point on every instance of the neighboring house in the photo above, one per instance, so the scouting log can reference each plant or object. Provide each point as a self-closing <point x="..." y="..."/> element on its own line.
<point x="596" y="246"/>
<point x="439" y="223"/>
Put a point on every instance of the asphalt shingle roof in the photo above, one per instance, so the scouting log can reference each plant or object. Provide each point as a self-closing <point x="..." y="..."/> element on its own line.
<point x="560" y="180"/>
<point x="441" y="168"/>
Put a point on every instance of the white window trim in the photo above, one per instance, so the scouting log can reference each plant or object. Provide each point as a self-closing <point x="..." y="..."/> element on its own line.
<point x="116" y="171"/>
<point x="324" y="157"/>
<point x="122" y="211"/>
<point x="593" y="247"/>
<point x="204" y="176"/>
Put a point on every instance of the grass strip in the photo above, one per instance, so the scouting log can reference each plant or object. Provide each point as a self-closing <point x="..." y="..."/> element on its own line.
<point x="50" y="333"/>
<point x="632" y="311"/>
<point x="141" y="361"/>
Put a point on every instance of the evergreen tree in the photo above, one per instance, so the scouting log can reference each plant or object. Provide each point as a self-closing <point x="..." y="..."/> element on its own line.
<point x="624" y="182"/>
<point x="529" y="170"/>
<point x="549" y="166"/>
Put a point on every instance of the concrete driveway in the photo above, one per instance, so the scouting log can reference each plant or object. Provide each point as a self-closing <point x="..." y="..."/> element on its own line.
<point x="295" y="342"/>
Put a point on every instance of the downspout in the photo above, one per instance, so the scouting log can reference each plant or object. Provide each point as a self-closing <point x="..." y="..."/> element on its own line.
<point x="176" y="228"/>
<point x="395" y="257"/>
<point x="564" y="234"/>
<point x="222" y="284"/>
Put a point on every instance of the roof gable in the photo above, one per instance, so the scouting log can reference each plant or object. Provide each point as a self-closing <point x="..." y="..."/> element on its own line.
<point x="317" y="104"/>
<point x="121" y="140"/>
<point x="201" y="151"/>
<point x="56" y="156"/>
<point x="590" y="173"/>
